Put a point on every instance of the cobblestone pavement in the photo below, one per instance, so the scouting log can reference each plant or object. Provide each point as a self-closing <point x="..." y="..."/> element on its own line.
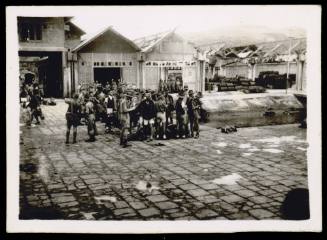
<point x="178" y="179"/>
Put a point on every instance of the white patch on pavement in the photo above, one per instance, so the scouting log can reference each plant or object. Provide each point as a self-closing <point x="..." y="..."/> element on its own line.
<point x="228" y="180"/>
<point x="253" y="149"/>
<point x="278" y="140"/>
<point x="100" y="199"/>
<point x="246" y="145"/>
<point x="220" y="144"/>
<point x="89" y="215"/>
<point x="219" y="152"/>
<point x="272" y="150"/>
<point x="246" y="154"/>
<point x="301" y="148"/>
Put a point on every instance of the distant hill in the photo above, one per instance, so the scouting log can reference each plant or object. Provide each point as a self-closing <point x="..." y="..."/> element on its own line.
<point x="238" y="36"/>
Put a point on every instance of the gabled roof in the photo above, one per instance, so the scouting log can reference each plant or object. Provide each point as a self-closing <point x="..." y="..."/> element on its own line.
<point x="148" y="42"/>
<point x="79" y="30"/>
<point x="97" y="35"/>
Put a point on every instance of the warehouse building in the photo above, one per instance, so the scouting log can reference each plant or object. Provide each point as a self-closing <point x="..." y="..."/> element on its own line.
<point x="108" y="56"/>
<point x="284" y="57"/>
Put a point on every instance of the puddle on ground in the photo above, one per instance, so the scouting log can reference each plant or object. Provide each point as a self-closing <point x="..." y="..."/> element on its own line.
<point x="246" y="154"/>
<point x="220" y="144"/>
<point x="228" y="180"/>
<point x="272" y="150"/>
<point x="103" y="198"/>
<point x="219" y="152"/>
<point x="246" y="145"/>
<point x="278" y="140"/>
<point x="301" y="148"/>
<point x="146" y="186"/>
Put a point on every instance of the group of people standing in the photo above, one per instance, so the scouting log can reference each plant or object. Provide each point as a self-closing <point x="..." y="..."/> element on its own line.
<point x="172" y="85"/>
<point x="150" y="113"/>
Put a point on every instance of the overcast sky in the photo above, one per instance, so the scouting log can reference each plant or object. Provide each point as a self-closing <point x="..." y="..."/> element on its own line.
<point x="138" y="21"/>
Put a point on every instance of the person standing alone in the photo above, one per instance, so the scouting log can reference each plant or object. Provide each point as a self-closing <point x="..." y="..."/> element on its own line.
<point x="72" y="117"/>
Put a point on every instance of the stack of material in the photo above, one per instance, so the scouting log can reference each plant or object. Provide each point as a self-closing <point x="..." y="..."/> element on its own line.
<point x="239" y="84"/>
<point x="274" y="80"/>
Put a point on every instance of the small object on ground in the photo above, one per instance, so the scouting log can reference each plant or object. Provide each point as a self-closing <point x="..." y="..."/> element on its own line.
<point x="148" y="185"/>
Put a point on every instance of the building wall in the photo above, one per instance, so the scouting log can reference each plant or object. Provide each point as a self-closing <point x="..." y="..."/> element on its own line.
<point x="172" y="48"/>
<point x="233" y="70"/>
<point x="53" y="34"/>
<point x="86" y="63"/>
<point x="72" y="37"/>
<point x="107" y="48"/>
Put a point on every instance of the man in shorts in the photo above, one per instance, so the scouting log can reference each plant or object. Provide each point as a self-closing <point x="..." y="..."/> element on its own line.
<point x="148" y="113"/>
<point x="90" y="118"/>
<point x="161" y="108"/>
<point x="72" y="117"/>
<point x="181" y="115"/>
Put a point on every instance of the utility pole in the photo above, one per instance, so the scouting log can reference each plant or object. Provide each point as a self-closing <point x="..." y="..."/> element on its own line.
<point x="288" y="63"/>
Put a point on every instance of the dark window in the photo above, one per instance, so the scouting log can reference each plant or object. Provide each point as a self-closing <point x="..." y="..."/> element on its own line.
<point x="116" y="63"/>
<point x="82" y="63"/>
<point x="94" y="63"/>
<point x="123" y="63"/>
<point x="130" y="63"/>
<point x="109" y="63"/>
<point x="30" y="31"/>
<point x="102" y="63"/>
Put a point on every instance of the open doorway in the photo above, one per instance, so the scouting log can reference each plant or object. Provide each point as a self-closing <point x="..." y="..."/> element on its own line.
<point x="104" y="75"/>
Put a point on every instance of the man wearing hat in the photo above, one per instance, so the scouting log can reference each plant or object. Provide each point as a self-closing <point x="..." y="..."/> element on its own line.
<point x="181" y="115"/>
<point x="72" y="116"/>
<point x="124" y="118"/>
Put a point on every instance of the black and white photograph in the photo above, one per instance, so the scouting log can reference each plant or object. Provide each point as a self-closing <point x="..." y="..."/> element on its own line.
<point x="163" y="118"/>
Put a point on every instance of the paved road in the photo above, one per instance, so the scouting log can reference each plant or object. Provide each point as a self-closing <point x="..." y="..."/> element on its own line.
<point x="243" y="175"/>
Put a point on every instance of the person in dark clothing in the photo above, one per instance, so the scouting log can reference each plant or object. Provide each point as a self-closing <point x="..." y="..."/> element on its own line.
<point x="181" y="115"/>
<point x="72" y="117"/>
<point x="111" y="105"/>
<point x="170" y="108"/>
<point x="34" y="105"/>
<point x="194" y="111"/>
<point x="148" y="113"/>
<point x="190" y="110"/>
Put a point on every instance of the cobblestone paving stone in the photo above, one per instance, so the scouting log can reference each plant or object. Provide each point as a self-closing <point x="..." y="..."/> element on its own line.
<point x="99" y="181"/>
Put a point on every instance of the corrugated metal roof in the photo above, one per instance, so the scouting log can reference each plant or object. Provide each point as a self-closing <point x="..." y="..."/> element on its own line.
<point x="148" y="42"/>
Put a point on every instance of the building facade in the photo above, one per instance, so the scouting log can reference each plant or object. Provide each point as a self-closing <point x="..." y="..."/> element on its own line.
<point x="108" y="56"/>
<point x="44" y="42"/>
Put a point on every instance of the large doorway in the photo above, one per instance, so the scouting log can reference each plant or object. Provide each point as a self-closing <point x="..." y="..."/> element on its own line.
<point x="49" y="68"/>
<point x="104" y="75"/>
